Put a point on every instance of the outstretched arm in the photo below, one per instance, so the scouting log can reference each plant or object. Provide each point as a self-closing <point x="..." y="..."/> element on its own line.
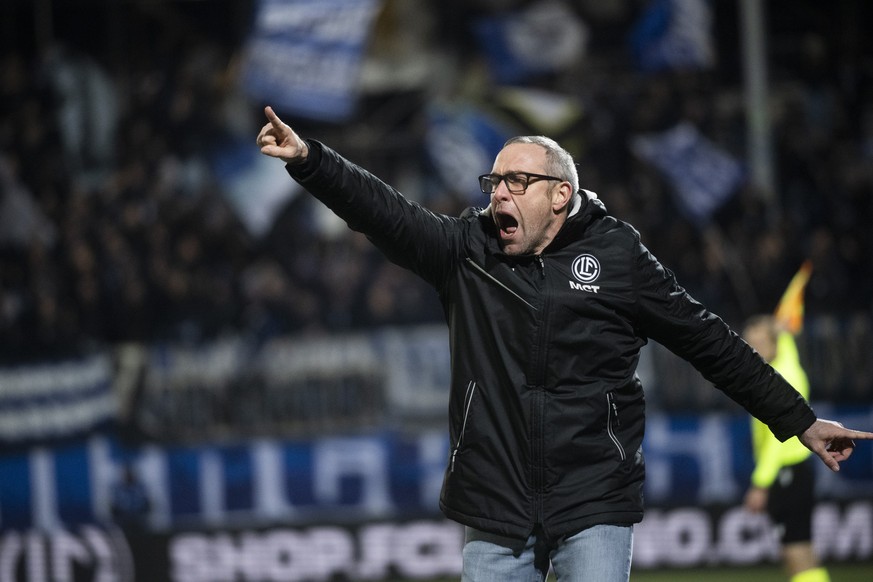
<point x="831" y="441"/>
<point x="278" y="140"/>
<point x="429" y="244"/>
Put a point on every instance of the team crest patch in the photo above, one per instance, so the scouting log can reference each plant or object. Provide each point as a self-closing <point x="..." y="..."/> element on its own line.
<point x="586" y="268"/>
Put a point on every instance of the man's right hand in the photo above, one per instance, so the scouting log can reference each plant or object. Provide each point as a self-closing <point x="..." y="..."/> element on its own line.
<point x="831" y="441"/>
<point x="278" y="140"/>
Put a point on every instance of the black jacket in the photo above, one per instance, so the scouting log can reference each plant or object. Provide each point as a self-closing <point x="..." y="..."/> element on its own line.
<point x="546" y="413"/>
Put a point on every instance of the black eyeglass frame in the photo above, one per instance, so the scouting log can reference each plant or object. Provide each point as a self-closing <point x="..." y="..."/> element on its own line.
<point x="488" y="182"/>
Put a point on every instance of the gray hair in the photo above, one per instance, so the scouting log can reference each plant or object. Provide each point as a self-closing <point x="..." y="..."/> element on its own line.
<point x="559" y="162"/>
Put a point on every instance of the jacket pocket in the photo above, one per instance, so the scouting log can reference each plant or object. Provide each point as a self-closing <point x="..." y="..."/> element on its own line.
<point x="613" y="422"/>
<point x="468" y="402"/>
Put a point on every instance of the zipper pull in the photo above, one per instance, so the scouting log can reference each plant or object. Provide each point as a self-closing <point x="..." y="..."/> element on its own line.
<point x="610" y="397"/>
<point x="454" y="452"/>
<point x="542" y="266"/>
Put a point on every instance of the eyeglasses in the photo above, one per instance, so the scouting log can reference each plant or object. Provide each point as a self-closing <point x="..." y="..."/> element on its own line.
<point x="516" y="182"/>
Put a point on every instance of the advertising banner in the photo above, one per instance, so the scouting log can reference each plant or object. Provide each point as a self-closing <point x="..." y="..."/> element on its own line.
<point x="417" y="549"/>
<point x="391" y="474"/>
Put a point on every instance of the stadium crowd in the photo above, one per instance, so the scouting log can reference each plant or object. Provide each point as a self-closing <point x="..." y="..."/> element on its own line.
<point x="114" y="227"/>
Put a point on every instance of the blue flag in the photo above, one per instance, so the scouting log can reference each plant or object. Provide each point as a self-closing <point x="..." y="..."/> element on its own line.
<point x="674" y="35"/>
<point x="56" y="400"/>
<point x="461" y="143"/>
<point x="702" y="175"/>
<point x="545" y="37"/>
<point x="255" y="186"/>
<point x="304" y="56"/>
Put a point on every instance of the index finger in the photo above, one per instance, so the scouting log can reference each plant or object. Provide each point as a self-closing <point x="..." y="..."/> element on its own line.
<point x="859" y="434"/>
<point x="273" y="118"/>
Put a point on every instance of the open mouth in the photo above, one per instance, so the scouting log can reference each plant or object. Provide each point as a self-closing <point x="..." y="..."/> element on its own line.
<point x="506" y="224"/>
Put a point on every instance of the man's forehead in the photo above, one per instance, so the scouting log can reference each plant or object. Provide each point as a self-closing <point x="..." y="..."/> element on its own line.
<point x="521" y="157"/>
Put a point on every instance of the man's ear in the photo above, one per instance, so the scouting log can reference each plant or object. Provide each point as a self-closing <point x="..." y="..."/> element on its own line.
<point x="561" y="197"/>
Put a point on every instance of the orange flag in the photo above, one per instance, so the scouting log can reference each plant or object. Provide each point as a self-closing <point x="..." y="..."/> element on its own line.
<point x="789" y="311"/>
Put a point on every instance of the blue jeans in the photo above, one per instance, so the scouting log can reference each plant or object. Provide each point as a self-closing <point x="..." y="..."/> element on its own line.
<point x="598" y="554"/>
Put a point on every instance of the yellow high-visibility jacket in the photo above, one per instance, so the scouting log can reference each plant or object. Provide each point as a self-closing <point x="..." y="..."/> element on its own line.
<point x="770" y="454"/>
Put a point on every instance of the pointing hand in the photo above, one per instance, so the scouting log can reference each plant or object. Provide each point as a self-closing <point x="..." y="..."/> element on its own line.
<point x="276" y="139"/>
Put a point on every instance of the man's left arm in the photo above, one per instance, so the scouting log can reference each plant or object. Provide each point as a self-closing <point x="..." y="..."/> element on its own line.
<point x="672" y="317"/>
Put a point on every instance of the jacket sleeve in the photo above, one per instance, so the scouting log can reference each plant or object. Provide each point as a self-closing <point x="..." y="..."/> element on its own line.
<point x="407" y="233"/>
<point x="670" y="316"/>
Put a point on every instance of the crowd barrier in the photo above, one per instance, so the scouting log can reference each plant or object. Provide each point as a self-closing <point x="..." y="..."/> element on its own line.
<point x="400" y="376"/>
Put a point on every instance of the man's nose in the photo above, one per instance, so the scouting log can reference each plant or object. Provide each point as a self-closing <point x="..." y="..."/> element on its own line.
<point x="501" y="192"/>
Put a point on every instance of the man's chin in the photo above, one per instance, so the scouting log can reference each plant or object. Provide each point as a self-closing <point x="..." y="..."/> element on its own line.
<point x="510" y="247"/>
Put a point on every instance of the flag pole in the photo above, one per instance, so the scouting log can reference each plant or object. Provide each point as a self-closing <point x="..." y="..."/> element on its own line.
<point x="758" y="130"/>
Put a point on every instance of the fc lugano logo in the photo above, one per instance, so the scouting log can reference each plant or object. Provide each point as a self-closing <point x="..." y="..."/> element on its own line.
<point x="586" y="268"/>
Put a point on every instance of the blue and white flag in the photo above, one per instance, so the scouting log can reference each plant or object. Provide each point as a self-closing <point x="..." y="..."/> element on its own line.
<point x="55" y="400"/>
<point x="543" y="38"/>
<point x="255" y="186"/>
<point x="703" y="176"/>
<point x="674" y="35"/>
<point x="461" y="143"/>
<point x="304" y="56"/>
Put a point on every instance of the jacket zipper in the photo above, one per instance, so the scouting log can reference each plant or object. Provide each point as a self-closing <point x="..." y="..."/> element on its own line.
<point x="487" y="274"/>
<point x="468" y="401"/>
<point x="538" y="373"/>
<point x="612" y="419"/>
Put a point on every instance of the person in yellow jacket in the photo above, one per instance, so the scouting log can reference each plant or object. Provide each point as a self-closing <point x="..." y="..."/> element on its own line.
<point x="783" y="481"/>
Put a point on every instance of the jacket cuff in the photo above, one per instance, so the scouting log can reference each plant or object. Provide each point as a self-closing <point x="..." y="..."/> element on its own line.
<point x="795" y="427"/>
<point x="305" y="168"/>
